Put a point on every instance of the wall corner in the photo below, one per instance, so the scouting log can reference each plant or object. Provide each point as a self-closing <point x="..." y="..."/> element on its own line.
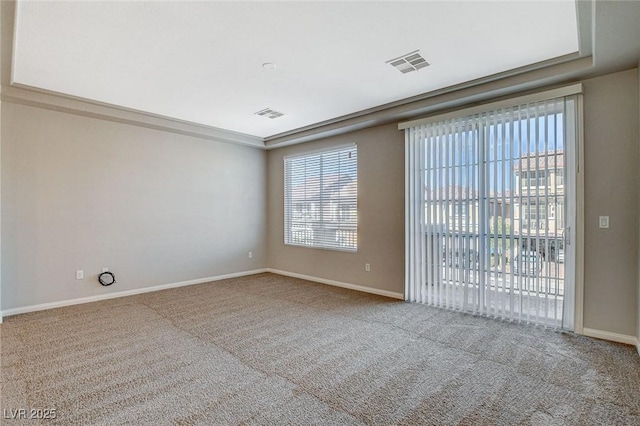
<point x="638" y="289"/>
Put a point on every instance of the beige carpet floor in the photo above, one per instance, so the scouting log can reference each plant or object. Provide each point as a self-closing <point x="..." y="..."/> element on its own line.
<point x="269" y="350"/>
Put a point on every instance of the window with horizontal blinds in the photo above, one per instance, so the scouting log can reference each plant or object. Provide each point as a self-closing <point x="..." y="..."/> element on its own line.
<point x="486" y="227"/>
<point x="321" y="199"/>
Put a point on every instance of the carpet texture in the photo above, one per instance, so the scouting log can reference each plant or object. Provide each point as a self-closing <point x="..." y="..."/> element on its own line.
<point x="268" y="350"/>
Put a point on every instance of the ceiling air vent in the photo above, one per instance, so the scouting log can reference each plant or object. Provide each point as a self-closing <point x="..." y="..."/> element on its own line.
<point x="409" y="62"/>
<point x="269" y="113"/>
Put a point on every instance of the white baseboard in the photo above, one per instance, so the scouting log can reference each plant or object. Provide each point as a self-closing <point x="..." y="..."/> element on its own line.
<point x="356" y="287"/>
<point x="614" y="337"/>
<point x="96" y="298"/>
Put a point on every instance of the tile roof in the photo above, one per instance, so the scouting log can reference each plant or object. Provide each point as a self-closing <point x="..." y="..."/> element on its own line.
<point x="336" y="186"/>
<point x="543" y="160"/>
<point x="457" y="192"/>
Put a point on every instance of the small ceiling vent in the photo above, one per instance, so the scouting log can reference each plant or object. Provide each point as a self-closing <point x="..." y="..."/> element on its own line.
<point x="269" y="113"/>
<point x="410" y="62"/>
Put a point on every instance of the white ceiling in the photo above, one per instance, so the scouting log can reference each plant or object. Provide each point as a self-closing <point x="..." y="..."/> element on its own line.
<point x="202" y="61"/>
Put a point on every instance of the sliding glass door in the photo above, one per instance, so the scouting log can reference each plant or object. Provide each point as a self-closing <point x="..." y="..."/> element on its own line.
<point x="490" y="206"/>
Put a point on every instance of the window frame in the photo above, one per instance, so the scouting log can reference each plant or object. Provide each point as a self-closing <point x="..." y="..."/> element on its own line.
<point x="416" y="270"/>
<point x="314" y="231"/>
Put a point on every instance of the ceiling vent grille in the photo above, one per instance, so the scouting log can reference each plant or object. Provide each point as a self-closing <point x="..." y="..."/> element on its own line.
<point x="410" y="62"/>
<point x="269" y="113"/>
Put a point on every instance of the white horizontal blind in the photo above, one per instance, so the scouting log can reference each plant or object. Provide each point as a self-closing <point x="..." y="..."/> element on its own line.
<point x="485" y="212"/>
<point x="320" y="199"/>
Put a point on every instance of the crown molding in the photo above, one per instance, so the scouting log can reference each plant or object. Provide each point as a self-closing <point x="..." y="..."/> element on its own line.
<point x="451" y="98"/>
<point x="560" y="71"/>
<point x="25" y="95"/>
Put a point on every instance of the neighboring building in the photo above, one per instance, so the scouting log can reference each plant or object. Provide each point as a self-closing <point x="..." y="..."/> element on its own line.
<point x="539" y="194"/>
<point x="453" y="215"/>
<point x="538" y="201"/>
<point x="531" y="215"/>
<point x="325" y="209"/>
<point x="455" y="208"/>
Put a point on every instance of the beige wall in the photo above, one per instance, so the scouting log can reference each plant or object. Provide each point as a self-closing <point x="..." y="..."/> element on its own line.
<point x="611" y="189"/>
<point x="2" y="51"/>
<point x="155" y="207"/>
<point x="380" y="214"/>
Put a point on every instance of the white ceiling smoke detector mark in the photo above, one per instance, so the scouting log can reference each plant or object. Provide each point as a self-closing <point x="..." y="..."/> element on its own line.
<point x="269" y="113"/>
<point x="412" y="61"/>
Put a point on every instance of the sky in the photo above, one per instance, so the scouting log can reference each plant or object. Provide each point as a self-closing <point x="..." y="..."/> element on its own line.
<point x="507" y="142"/>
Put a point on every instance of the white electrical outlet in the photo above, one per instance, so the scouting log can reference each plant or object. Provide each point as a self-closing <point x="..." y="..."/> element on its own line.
<point x="79" y="275"/>
<point x="367" y="267"/>
<point x="250" y="255"/>
<point x="105" y="269"/>
<point x="603" y="221"/>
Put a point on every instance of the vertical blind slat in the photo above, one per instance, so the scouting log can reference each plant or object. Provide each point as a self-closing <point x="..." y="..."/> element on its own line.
<point x="431" y="259"/>
<point x="485" y="217"/>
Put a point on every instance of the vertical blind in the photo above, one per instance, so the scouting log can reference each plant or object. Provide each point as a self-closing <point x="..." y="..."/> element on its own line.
<point x="320" y="199"/>
<point x="486" y="218"/>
